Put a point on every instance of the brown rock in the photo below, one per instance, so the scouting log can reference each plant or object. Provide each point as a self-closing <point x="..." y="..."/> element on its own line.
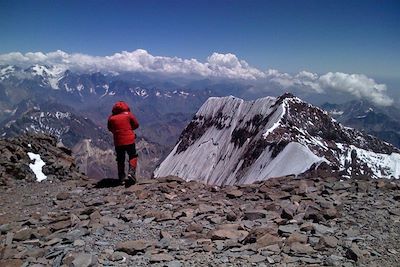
<point x="254" y="214"/>
<point x="354" y="253"/>
<point x="313" y="213"/>
<point x="95" y="217"/>
<point x="256" y="233"/>
<point x="288" y="211"/>
<point x="132" y="247"/>
<point x="267" y="240"/>
<point x="229" y="226"/>
<point x="331" y="213"/>
<point x="307" y="227"/>
<point x="204" y="208"/>
<point x="195" y="227"/>
<point x="11" y="263"/>
<point x="231" y="216"/>
<point x="159" y="215"/>
<point x="63" y="196"/>
<point x="301" y="248"/>
<point x="60" y="225"/>
<point x="161" y="257"/>
<point x="84" y="260"/>
<point x="228" y="234"/>
<point x="327" y="242"/>
<point x="297" y="237"/>
<point x="276" y="195"/>
<point x="23" y="234"/>
<point x="234" y="193"/>
<point x="165" y="234"/>
<point x="142" y="195"/>
<point x="257" y="258"/>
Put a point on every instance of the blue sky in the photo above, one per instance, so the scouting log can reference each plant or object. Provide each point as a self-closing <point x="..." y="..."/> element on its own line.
<point x="319" y="36"/>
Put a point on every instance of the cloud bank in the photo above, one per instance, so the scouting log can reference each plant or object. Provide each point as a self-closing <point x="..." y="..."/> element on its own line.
<point x="227" y="66"/>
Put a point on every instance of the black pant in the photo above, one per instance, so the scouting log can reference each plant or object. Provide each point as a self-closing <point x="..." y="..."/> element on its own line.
<point x="121" y="150"/>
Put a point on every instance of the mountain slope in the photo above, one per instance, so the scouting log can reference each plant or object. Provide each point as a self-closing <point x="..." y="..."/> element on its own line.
<point x="231" y="141"/>
<point x="382" y="122"/>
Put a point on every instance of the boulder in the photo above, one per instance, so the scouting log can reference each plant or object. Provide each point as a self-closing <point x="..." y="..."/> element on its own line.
<point x="228" y="234"/>
<point x="132" y="247"/>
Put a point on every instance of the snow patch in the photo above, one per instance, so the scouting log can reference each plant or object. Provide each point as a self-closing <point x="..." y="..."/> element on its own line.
<point x="277" y="122"/>
<point x="336" y="112"/>
<point x="80" y="87"/>
<point x="294" y="159"/>
<point x="382" y="165"/>
<point x="37" y="166"/>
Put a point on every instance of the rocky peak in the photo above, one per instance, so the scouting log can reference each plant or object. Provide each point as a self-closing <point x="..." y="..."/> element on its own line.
<point x="16" y="159"/>
<point x="231" y="141"/>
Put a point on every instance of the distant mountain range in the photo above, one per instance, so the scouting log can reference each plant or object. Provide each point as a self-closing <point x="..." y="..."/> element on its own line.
<point x="74" y="107"/>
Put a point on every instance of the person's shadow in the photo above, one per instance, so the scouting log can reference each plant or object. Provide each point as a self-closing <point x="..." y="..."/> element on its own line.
<point x="107" y="183"/>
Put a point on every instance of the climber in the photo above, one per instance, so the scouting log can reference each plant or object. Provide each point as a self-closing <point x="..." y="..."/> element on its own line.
<point x="122" y="124"/>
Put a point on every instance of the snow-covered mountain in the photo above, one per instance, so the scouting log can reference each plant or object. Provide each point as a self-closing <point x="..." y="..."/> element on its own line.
<point x="231" y="141"/>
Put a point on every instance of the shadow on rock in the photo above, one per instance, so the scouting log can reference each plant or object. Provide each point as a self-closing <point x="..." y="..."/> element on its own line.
<point x="107" y="183"/>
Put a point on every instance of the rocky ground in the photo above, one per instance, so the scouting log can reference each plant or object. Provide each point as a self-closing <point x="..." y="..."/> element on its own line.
<point x="286" y="221"/>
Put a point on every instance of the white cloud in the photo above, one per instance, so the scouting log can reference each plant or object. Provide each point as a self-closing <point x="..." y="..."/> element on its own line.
<point x="217" y="65"/>
<point x="357" y="85"/>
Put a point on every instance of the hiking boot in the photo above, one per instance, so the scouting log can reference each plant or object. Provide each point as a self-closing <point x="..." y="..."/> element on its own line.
<point x="131" y="177"/>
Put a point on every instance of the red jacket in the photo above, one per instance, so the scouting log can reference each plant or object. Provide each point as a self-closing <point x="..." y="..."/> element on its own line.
<point x="122" y="123"/>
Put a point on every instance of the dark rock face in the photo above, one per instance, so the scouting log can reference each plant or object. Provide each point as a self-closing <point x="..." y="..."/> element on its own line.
<point x="191" y="133"/>
<point x="14" y="159"/>
<point x="304" y="221"/>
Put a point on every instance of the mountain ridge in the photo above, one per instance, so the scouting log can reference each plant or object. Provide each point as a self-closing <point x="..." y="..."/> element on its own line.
<point x="233" y="141"/>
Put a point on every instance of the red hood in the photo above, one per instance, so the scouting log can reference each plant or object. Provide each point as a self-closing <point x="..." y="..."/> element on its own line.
<point x="120" y="107"/>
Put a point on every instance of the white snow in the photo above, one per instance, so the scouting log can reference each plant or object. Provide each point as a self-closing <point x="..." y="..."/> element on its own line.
<point x="39" y="70"/>
<point x="67" y="88"/>
<point x="139" y="92"/>
<point x="6" y="72"/>
<point x="277" y="120"/>
<point x="106" y="91"/>
<point x="382" y="165"/>
<point x="62" y="115"/>
<point x="214" y="159"/>
<point x="294" y="159"/>
<point x="80" y="87"/>
<point x="336" y="112"/>
<point x="183" y="94"/>
<point x="51" y="75"/>
<point x="37" y="166"/>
